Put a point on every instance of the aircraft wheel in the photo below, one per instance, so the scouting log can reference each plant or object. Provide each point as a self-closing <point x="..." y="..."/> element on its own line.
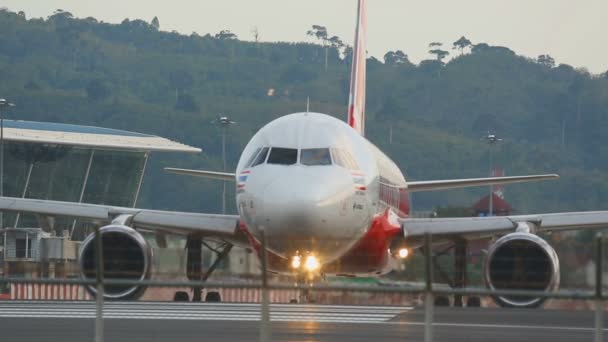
<point x="474" y="302"/>
<point x="442" y="301"/>
<point x="213" y="297"/>
<point x="181" y="296"/>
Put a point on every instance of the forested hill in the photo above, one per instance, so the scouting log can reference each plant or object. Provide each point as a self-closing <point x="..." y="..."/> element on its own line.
<point x="135" y="76"/>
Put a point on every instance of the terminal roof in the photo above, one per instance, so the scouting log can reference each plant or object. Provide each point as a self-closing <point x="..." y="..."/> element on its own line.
<point x="88" y="136"/>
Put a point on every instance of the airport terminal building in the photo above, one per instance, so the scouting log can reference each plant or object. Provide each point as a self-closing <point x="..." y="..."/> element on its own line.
<point x="66" y="163"/>
<point x="75" y="163"/>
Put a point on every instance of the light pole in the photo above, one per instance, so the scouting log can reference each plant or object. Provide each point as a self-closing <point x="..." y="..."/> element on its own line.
<point x="491" y="139"/>
<point x="3" y="104"/>
<point x="223" y="122"/>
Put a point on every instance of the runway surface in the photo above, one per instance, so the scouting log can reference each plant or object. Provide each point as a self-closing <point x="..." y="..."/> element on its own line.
<point x="202" y="311"/>
<point x="143" y="321"/>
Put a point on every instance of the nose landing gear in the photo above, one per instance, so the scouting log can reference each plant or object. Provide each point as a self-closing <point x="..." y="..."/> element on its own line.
<point x="306" y="279"/>
<point x="306" y="270"/>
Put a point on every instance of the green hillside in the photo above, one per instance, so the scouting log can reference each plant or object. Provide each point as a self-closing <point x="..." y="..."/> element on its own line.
<point x="134" y="76"/>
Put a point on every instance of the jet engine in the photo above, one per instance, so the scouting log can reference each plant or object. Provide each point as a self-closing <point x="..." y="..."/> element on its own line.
<point x="521" y="261"/>
<point x="126" y="256"/>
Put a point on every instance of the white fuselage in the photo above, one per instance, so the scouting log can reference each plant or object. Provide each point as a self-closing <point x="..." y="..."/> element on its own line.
<point x="305" y="201"/>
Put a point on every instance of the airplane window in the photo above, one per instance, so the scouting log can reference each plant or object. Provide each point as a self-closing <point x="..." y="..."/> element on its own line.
<point x="315" y="156"/>
<point x="253" y="155"/>
<point x="283" y="156"/>
<point x="261" y="157"/>
<point x="344" y="158"/>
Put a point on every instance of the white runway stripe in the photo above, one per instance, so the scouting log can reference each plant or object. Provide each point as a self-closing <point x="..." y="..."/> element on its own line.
<point x="201" y="311"/>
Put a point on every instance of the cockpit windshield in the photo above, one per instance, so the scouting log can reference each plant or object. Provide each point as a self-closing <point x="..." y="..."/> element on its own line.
<point x="344" y="158"/>
<point x="283" y="156"/>
<point x="260" y="158"/>
<point x="315" y="156"/>
<point x="307" y="157"/>
<point x="253" y="157"/>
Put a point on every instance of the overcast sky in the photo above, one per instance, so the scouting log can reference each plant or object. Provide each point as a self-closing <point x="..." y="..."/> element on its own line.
<point x="572" y="32"/>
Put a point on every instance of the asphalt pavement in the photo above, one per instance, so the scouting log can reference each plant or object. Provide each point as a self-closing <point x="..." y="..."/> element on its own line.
<point x="146" y="321"/>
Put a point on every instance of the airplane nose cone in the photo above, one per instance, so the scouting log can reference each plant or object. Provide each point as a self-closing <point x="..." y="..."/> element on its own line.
<point x="304" y="213"/>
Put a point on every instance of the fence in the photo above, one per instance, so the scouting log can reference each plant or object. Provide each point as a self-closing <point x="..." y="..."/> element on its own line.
<point x="264" y="290"/>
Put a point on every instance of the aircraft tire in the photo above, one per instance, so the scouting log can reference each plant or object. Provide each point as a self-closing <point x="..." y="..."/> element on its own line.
<point x="473" y="302"/>
<point x="181" y="296"/>
<point x="442" y="301"/>
<point x="213" y="297"/>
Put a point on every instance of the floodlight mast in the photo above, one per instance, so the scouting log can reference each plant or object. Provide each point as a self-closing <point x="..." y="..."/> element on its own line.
<point x="492" y="140"/>
<point x="3" y="104"/>
<point x="223" y="121"/>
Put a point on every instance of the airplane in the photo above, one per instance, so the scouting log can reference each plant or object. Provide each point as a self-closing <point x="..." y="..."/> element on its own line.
<point x="327" y="201"/>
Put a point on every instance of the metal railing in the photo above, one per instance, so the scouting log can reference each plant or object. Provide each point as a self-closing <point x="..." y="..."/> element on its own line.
<point x="427" y="289"/>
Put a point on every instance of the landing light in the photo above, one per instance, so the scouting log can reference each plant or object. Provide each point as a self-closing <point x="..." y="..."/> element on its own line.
<point x="311" y="263"/>
<point x="296" y="262"/>
<point x="403" y="253"/>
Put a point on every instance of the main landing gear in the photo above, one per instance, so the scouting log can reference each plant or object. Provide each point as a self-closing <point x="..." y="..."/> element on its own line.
<point x="459" y="279"/>
<point x="194" y="267"/>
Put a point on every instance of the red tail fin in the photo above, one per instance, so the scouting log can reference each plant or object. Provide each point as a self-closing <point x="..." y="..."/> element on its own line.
<point x="356" y="99"/>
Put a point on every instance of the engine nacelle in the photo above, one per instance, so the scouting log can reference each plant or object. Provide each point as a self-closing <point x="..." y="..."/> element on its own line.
<point x="126" y="255"/>
<point x="521" y="261"/>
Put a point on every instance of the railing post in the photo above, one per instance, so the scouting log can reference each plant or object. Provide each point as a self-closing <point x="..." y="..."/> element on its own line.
<point x="599" y="303"/>
<point x="265" y="314"/>
<point x="429" y="304"/>
<point x="100" y="288"/>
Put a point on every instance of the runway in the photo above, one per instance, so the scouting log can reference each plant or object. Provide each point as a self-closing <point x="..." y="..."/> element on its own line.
<point x="202" y="311"/>
<point x="143" y="321"/>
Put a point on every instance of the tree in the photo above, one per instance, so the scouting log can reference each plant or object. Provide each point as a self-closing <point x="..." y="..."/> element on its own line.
<point x="225" y="35"/>
<point x="256" y="34"/>
<point x="546" y="60"/>
<point x="439" y="54"/>
<point x="348" y="56"/>
<point x="155" y="23"/>
<point x="479" y="48"/>
<point x="430" y="67"/>
<point x="336" y="42"/>
<point x="320" y="32"/>
<point x="395" y="58"/>
<point x="461" y="44"/>
<point x="435" y="49"/>
<point x="61" y="14"/>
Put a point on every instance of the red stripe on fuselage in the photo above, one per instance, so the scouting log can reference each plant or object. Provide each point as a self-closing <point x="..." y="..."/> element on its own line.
<point x="370" y="254"/>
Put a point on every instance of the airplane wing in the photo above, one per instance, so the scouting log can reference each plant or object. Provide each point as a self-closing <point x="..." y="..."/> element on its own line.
<point x="470" y="182"/>
<point x="203" y="173"/>
<point x="479" y="227"/>
<point x="183" y="223"/>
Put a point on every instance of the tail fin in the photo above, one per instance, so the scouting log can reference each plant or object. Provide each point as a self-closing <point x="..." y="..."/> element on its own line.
<point x="356" y="99"/>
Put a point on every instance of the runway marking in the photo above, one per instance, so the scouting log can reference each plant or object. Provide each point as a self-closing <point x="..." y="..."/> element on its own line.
<point x="501" y="326"/>
<point x="207" y="304"/>
<point x="238" y="312"/>
<point x="202" y="311"/>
